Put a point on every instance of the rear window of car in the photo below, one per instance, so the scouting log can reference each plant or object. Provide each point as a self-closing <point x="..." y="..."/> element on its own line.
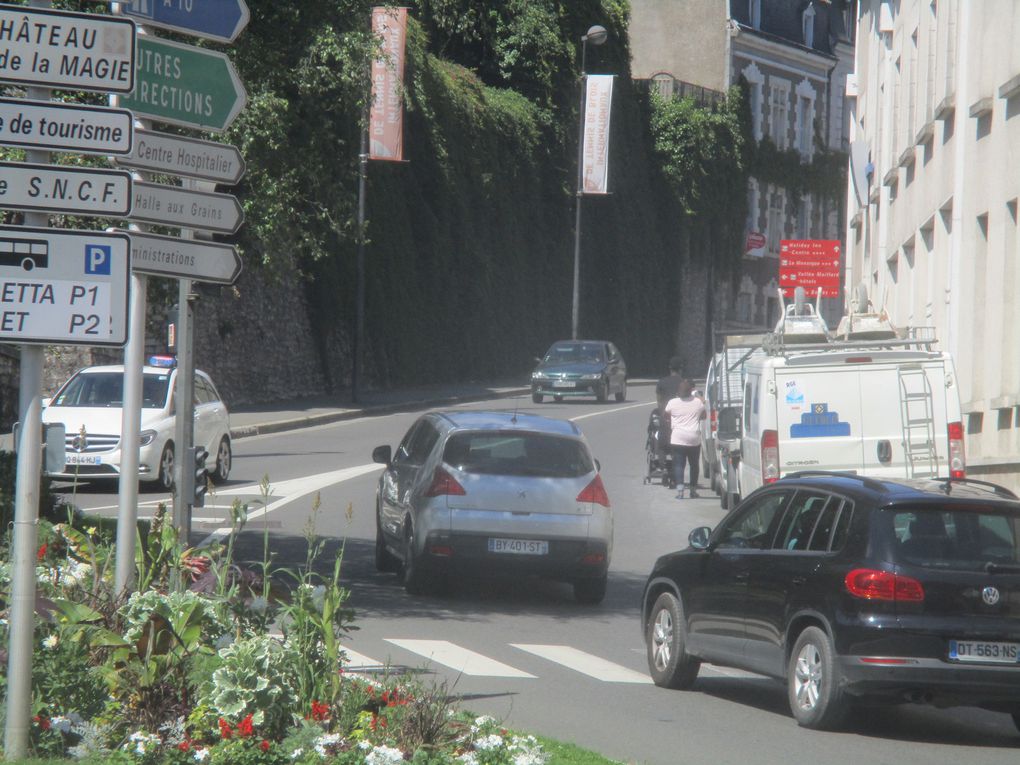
<point x="960" y="539"/>
<point x="106" y="389"/>
<point x="516" y="453"/>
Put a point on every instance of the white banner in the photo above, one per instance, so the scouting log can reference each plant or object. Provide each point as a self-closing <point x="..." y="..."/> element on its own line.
<point x="597" y="107"/>
<point x="386" y="114"/>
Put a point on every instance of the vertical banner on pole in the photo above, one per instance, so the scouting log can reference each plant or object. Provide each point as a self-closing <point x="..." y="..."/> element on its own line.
<point x="597" y="108"/>
<point x="386" y="116"/>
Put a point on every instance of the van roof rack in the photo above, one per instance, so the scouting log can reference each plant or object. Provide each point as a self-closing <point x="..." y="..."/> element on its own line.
<point x="871" y="483"/>
<point x="775" y="345"/>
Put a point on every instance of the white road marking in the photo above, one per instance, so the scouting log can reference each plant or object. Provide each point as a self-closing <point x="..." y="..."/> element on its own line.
<point x="611" y="411"/>
<point x="585" y="663"/>
<point x="460" y="659"/>
<point x="359" y="662"/>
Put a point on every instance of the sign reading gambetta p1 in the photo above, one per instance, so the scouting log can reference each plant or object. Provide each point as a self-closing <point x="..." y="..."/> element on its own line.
<point x="810" y="263"/>
<point x="73" y="51"/>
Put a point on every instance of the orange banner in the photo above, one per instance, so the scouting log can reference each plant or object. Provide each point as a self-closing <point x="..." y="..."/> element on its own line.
<point x="598" y="104"/>
<point x="386" y="115"/>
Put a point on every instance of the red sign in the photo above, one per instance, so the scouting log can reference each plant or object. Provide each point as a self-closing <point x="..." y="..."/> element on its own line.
<point x="755" y="241"/>
<point x="810" y="263"/>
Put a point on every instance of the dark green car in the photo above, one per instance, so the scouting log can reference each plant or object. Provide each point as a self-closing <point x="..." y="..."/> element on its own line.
<point x="580" y="368"/>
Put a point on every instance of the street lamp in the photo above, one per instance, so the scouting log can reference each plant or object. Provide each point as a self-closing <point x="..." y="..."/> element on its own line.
<point x="596" y="36"/>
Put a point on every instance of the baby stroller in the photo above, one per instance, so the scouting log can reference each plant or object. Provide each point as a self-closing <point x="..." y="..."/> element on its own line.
<point x="658" y="457"/>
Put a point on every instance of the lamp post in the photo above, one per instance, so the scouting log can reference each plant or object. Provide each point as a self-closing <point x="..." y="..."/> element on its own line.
<point x="596" y="36"/>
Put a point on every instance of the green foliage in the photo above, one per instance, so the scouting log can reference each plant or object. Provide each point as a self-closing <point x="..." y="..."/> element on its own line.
<point x="824" y="176"/>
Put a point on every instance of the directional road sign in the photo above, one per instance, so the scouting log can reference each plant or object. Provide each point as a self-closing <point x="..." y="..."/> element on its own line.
<point x="65" y="127"/>
<point x="72" y="51"/>
<point x="178" y="155"/>
<point x="212" y="19"/>
<point x="174" y="206"/>
<point x="185" y="85"/>
<point x="62" y="189"/>
<point x="184" y="258"/>
<point x="63" y="287"/>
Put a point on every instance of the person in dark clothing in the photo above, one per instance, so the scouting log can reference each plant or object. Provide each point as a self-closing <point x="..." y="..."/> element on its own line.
<point x="667" y="388"/>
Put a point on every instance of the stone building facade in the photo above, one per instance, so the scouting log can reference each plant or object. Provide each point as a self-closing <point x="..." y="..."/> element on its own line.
<point x="933" y="227"/>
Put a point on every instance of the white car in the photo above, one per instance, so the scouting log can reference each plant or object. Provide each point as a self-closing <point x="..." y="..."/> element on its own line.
<point x="89" y="406"/>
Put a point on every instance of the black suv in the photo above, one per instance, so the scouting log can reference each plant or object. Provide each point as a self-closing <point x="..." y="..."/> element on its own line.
<point x="851" y="589"/>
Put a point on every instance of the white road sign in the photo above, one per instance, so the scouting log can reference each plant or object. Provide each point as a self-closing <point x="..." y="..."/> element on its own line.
<point x="179" y="155"/>
<point x="184" y="258"/>
<point x="58" y="188"/>
<point x="65" y="127"/>
<point x="63" y="287"/>
<point x="174" y="206"/>
<point x="61" y="49"/>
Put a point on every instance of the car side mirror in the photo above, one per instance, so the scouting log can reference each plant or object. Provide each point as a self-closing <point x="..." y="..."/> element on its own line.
<point x="382" y="454"/>
<point x="699" y="537"/>
<point x="598" y="466"/>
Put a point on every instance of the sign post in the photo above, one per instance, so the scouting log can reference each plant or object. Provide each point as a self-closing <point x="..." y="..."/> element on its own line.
<point x="810" y="263"/>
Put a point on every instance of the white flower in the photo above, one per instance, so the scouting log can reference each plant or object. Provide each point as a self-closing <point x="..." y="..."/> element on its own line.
<point x="297" y="753"/>
<point x="61" y="723"/>
<point x="142" y="741"/>
<point x="483" y="720"/>
<point x="468" y="758"/>
<point x="200" y="755"/>
<point x="384" y="755"/>
<point x="326" y="740"/>
<point x="489" y="742"/>
<point x="319" y="596"/>
<point x="259" y="604"/>
<point x="50" y="641"/>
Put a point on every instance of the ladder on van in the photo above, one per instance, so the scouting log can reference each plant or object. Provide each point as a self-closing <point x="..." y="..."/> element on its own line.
<point x="918" y="420"/>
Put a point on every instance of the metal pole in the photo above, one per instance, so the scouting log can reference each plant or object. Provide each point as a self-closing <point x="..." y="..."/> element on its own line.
<point x="575" y="310"/>
<point x="21" y="608"/>
<point x="359" y="314"/>
<point x="184" y="406"/>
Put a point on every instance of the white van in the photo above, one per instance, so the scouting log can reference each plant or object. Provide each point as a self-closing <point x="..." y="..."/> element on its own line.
<point x="869" y="401"/>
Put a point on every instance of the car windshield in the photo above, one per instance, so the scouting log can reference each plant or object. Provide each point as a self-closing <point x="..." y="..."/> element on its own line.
<point x="959" y="539"/>
<point x="516" y="453"/>
<point x="574" y="353"/>
<point x="105" y="389"/>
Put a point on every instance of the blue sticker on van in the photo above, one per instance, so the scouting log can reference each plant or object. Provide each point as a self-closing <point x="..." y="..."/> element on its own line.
<point x="794" y="395"/>
<point x="819" y="423"/>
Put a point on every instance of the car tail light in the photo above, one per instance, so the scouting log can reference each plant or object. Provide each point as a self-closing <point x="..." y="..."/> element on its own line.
<point x="769" y="456"/>
<point x="714" y="422"/>
<point x="594" y="492"/>
<point x="444" y="483"/>
<point x="957" y="457"/>
<point x="872" y="584"/>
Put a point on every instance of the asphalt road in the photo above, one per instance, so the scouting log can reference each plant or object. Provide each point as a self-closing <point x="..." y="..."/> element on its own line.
<point x="525" y="652"/>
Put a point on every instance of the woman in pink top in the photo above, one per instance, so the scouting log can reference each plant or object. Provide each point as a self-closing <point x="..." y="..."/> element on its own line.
<point x="685" y="413"/>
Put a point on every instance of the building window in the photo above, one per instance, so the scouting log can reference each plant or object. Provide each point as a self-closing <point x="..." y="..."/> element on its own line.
<point x="754" y="13"/>
<point x="744" y="307"/>
<point x="662" y="83"/>
<point x="805" y="123"/>
<point x="753" y="204"/>
<point x="808" y="25"/>
<point x="777" y="219"/>
<point x="779" y="93"/>
<point x="756" y="80"/>
<point x="804" y="218"/>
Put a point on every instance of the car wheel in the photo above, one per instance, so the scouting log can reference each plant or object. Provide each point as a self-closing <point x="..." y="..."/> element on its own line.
<point x="166" y="467"/>
<point x="415" y="579"/>
<point x="621" y="395"/>
<point x="816" y="698"/>
<point x="384" y="559"/>
<point x="536" y="397"/>
<point x="602" y="391"/>
<point x="224" y="460"/>
<point x="668" y="662"/>
<point x="590" y="591"/>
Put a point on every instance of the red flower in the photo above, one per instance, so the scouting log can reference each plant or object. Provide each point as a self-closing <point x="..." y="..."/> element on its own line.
<point x="184" y="745"/>
<point x="41" y="552"/>
<point x="225" y="732"/>
<point x="244" y="728"/>
<point x="320" y="711"/>
<point x="264" y="746"/>
<point x="43" y="722"/>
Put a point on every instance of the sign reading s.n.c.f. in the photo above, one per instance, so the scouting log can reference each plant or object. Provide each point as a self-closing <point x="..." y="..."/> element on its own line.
<point x="74" y="51"/>
<point x="63" y="287"/>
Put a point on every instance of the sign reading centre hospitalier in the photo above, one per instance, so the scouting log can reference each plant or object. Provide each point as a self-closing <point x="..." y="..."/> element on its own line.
<point x="810" y="263"/>
<point x="185" y="85"/>
<point x="180" y="155"/>
<point x="63" y="287"/>
<point x="212" y="19"/>
<point x="60" y="49"/>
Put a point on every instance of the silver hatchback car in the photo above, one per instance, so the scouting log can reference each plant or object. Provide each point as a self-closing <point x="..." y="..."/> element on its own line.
<point x="493" y="492"/>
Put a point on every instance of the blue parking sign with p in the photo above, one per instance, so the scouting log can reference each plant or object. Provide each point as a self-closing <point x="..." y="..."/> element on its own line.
<point x="98" y="259"/>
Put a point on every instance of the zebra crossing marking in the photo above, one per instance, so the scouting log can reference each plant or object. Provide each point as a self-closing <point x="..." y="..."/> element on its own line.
<point x="585" y="663"/>
<point x="455" y="657"/>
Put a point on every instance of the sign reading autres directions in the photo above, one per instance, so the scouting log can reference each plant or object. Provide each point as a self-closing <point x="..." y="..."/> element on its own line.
<point x="185" y="85"/>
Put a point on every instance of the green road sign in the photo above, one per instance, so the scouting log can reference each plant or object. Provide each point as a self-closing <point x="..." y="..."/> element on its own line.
<point x="184" y="85"/>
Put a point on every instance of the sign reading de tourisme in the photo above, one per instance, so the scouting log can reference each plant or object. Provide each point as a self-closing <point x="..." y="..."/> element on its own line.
<point x="810" y="263"/>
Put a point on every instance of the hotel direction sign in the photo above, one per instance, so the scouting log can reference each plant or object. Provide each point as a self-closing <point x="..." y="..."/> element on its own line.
<point x="179" y="155"/>
<point x="65" y="189"/>
<point x="70" y="51"/>
<point x="184" y="258"/>
<point x="56" y="126"/>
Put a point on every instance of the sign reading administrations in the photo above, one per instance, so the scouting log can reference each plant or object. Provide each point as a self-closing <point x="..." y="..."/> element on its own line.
<point x="65" y="127"/>
<point x="60" y="49"/>
<point x="184" y="258"/>
<point x="809" y="263"/>
<point x="184" y="85"/>
<point x="90" y="191"/>
<point x="191" y="157"/>
<point x="63" y="287"/>
<point x="212" y="19"/>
